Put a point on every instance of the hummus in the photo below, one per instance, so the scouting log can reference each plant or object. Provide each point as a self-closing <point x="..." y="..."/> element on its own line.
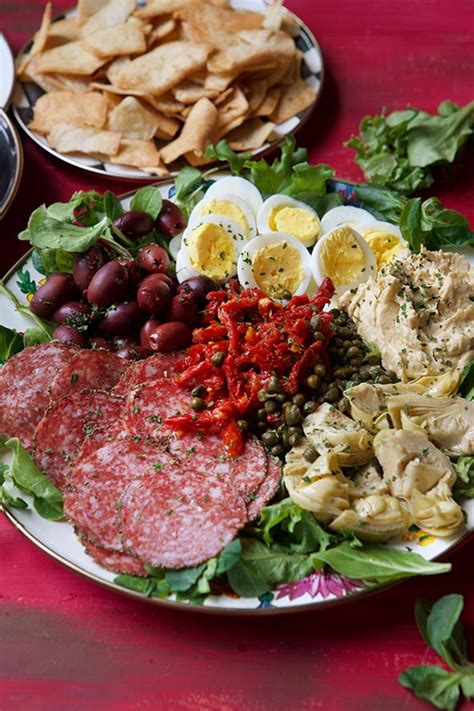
<point x="419" y="312"/>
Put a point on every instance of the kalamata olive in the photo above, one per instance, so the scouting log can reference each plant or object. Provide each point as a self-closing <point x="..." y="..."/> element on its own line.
<point x="167" y="279"/>
<point x="147" y="329"/>
<point x="200" y="286"/>
<point x="122" y="319"/>
<point x="69" y="334"/>
<point x="133" y="352"/>
<point x="102" y="343"/>
<point x="171" y="220"/>
<point x="153" y="258"/>
<point x="135" y="223"/>
<point x="72" y="312"/>
<point x="57" y="290"/>
<point x="86" y="264"/>
<point x="135" y="272"/>
<point x="153" y="294"/>
<point x="183" y="308"/>
<point x="108" y="284"/>
<point x="171" y="336"/>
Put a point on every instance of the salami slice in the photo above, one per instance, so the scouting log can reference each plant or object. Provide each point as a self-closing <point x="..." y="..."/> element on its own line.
<point x="113" y="560"/>
<point x="160" y="365"/>
<point x="175" y="520"/>
<point x="249" y="470"/>
<point x="67" y="423"/>
<point x="99" y="370"/>
<point x="148" y="405"/>
<point x="97" y="483"/>
<point x="24" y="383"/>
<point x="267" y="489"/>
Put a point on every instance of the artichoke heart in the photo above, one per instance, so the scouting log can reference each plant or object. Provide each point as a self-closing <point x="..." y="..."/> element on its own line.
<point x="448" y="421"/>
<point x="367" y="481"/>
<point x="322" y="489"/>
<point x="411" y="462"/>
<point x="329" y="430"/>
<point x="377" y="517"/>
<point x="436" y="512"/>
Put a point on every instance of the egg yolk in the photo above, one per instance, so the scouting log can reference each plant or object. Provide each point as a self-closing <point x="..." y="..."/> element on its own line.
<point x="230" y="210"/>
<point x="278" y="270"/>
<point x="211" y="251"/>
<point x="384" y="245"/>
<point x="341" y="257"/>
<point x="302" y="224"/>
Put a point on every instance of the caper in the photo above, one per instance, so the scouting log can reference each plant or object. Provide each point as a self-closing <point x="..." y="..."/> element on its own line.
<point x="294" y="430"/>
<point x="294" y="439"/>
<point x="218" y="358"/>
<point x="197" y="403"/>
<point x="198" y="391"/>
<point x="383" y="379"/>
<point x="355" y="362"/>
<point x="315" y="322"/>
<point x="262" y="395"/>
<point x="332" y="394"/>
<point x="261" y="414"/>
<point x="243" y="425"/>
<point x="280" y="397"/>
<point x="270" y="438"/>
<point x="274" y="385"/>
<point x="337" y="342"/>
<point x="343" y="372"/>
<point x="285" y="294"/>
<point x="299" y="399"/>
<point x="261" y="425"/>
<point x="335" y="312"/>
<point x="318" y="336"/>
<point x="292" y="415"/>
<point x="340" y="320"/>
<point x="309" y="407"/>
<point x="320" y="370"/>
<point x="285" y="440"/>
<point x="393" y="376"/>
<point x="341" y="352"/>
<point x="343" y="404"/>
<point x="277" y="451"/>
<point x="353" y="352"/>
<point x="373" y="359"/>
<point x="313" y="381"/>
<point x="270" y="406"/>
<point x="375" y="371"/>
<point x="310" y="454"/>
<point x="356" y="379"/>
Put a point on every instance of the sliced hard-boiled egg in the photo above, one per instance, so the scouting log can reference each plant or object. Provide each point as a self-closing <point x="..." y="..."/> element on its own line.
<point x="239" y="188"/>
<point x="355" y="217"/>
<point x="175" y="245"/>
<point x="281" y="213"/>
<point x="277" y="263"/>
<point x="230" y="206"/>
<point x="210" y="248"/>
<point x="384" y="239"/>
<point x="344" y="256"/>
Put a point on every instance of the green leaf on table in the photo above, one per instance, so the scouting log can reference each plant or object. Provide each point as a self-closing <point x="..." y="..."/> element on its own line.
<point x="24" y="473"/>
<point x="223" y="152"/>
<point x="445" y="631"/>
<point x="434" y="684"/>
<point x="378" y="564"/>
<point x="434" y="139"/>
<point x="10" y="343"/>
<point x="147" y="200"/>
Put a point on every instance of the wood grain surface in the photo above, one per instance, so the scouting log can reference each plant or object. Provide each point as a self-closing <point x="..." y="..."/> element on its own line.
<point x="65" y="643"/>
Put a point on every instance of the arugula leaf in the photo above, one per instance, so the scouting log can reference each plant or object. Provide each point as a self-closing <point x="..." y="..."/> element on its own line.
<point x="464" y="486"/>
<point x="383" y="203"/>
<point x="147" y="200"/>
<point x="286" y="524"/>
<point x="223" y="152"/>
<point x="379" y="564"/>
<point x="41" y="324"/>
<point x="62" y="211"/>
<point x="466" y="384"/>
<point x="440" y="627"/>
<point x="34" y="336"/>
<point x="190" y="186"/>
<point x="428" y="223"/>
<point x="10" y="343"/>
<point x="398" y="150"/>
<point x="53" y="234"/>
<point x="47" y="499"/>
<point x="6" y="498"/>
<point x="112" y="206"/>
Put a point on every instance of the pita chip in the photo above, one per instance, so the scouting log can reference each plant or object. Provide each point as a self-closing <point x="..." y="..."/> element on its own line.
<point x="40" y="39"/>
<point x="124" y="39"/>
<point x="140" y="154"/>
<point x="72" y="58"/>
<point x="198" y="131"/>
<point x="295" y="98"/>
<point x="68" y="138"/>
<point x="161" y="30"/>
<point x="115" y="12"/>
<point x="86" y="8"/>
<point x="69" y="107"/>
<point x="252" y="134"/>
<point x="270" y="102"/>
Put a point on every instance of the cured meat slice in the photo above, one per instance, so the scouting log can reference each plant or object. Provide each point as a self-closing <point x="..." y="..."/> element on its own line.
<point x="249" y="470"/>
<point x="267" y="489"/>
<point x="99" y="370"/>
<point x="165" y="365"/>
<point x="175" y="520"/>
<point x="67" y="423"/>
<point x="113" y="560"/>
<point x="96" y="484"/>
<point x="24" y="383"/>
<point x="148" y="405"/>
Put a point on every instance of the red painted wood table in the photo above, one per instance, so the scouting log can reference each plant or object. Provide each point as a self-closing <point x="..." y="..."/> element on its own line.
<point x="68" y="644"/>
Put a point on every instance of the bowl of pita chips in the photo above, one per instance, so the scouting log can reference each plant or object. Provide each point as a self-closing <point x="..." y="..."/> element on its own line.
<point x="135" y="90"/>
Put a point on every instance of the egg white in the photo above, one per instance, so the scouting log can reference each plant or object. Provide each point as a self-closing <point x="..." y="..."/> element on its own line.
<point x="184" y="266"/>
<point x="244" y="265"/>
<point x="239" y="188"/>
<point x="196" y="216"/>
<point x="370" y="262"/>
<point x="276" y="201"/>
<point x="355" y="217"/>
<point x="175" y="245"/>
